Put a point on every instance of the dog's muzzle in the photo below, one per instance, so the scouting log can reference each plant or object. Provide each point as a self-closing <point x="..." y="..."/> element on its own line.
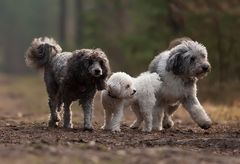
<point x="97" y="72"/>
<point x="203" y="70"/>
<point x="112" y="96"/>
<point x="206" y="68"/>
<point x="134" y="91"/>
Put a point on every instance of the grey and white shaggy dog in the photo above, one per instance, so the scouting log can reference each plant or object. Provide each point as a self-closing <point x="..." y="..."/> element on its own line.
<point x="180" y="67"/>
<point x="124" y="91"/>
<point x="69" y="76"/>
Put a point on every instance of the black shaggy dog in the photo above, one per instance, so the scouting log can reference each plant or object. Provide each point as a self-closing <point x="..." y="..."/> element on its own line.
<point x="69" y="76"/>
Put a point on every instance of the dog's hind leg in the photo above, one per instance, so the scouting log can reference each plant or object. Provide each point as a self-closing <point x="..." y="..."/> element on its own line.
<point x="67" y="116"/>
<point x="167" y="120"/>
<point x="137" y="123"/>
<point x="54" y="115"/>
<point x="52" y="90"/>
<point x="146" y="109"/>
<point x="158" y="114"/>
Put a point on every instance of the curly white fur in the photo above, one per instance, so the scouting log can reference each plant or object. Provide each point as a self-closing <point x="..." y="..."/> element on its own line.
<point x="124" y="91"/>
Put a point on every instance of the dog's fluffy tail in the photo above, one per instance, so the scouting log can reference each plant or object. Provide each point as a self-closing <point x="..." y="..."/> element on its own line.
<point x="40" y="52"/>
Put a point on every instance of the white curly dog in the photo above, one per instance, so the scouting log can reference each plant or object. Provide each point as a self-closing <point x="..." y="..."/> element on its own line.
<point x="124" y="91"/>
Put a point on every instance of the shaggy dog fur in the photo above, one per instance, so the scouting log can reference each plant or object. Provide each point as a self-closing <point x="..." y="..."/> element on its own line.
<point x="179" y="68"/>
<point x="124" y="91"/>
<point x="177" y="41"/>
<point x="69" y="76"/>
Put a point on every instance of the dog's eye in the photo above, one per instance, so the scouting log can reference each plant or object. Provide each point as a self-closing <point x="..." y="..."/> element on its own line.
<point x="127" y="86"/>
<point x="90" y="62"/>
<point x="192" y="59"/>
<point x="101" y="62"/>
<point x="203" y="56"/>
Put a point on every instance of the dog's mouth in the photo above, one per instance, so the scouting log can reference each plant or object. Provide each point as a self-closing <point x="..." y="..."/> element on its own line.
<point x="97" y="73"/>
<point x="111" y="95"/>
<point x="201" y="74"/>
<point x="134" y="91"/>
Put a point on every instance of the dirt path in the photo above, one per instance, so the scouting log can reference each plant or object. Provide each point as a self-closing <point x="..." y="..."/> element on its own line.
<point x="25" y="138"/>
<point x="34" y="142"/>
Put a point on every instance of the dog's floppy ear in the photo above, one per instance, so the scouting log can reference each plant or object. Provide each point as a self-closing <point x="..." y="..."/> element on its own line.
<point x="86" y="61"/>
<point x="105" y="66"/>
<point x="101" y="84"/>
<point x="175" y="63"/>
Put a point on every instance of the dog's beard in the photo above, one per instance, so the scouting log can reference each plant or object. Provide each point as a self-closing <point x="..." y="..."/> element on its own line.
<point x="200" y="74"/>
<point x="96" y="75"/>
<point x="130" y="95"/>
<point x="127" y="96"/>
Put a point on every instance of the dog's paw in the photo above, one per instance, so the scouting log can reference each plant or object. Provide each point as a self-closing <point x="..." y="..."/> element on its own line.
<point x="167" y="123"/>
<point x="157" y="129"/>
<point x="90" y="129"/>
<point x="116" y="130"/>
<point x="133" y="126"/>
<point x="68" y="126"/>
<point x="206" y="125"/>
<point x="57" y="119"/>
<point x="52" y="124"/>
<point x="104" y="127"/>
<point x="147" y="130"/>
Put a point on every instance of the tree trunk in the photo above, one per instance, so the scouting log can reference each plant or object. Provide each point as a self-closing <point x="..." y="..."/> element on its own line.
<point x="79" y="21"/>
<point x="62" y="21"/>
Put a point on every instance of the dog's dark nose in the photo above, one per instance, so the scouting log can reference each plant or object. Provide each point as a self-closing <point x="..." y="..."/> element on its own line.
<point x="97" y="71"/>
<point x="134" y="91"/>
<point x="206" y="67"/>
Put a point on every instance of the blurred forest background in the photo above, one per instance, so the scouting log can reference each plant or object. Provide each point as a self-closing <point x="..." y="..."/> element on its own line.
<point x="131" y="32"/>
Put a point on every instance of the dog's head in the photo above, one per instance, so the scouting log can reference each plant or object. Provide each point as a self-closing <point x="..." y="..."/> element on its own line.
<point x="120" y="85"/>
<point x="96" y="62"/>
<point x="189" y="59"/>
<point x="90" y="64"/>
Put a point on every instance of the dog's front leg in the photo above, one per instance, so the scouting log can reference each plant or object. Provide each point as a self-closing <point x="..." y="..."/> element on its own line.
<point x="197" y="112"/>
<point x="107" y="119"/>
<point x="116" y="119"/>
<point x="87" y="106"/>
<point x="67" y="116"/>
